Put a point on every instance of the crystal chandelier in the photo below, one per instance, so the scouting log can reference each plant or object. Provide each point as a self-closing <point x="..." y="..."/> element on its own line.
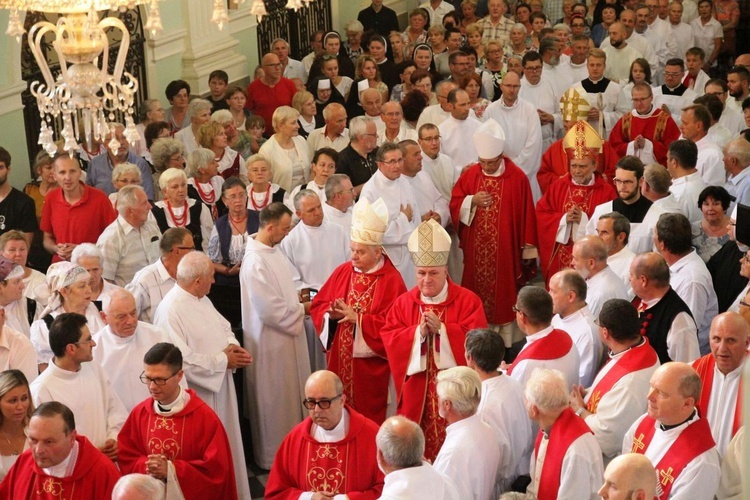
<point x="84" y="95"/>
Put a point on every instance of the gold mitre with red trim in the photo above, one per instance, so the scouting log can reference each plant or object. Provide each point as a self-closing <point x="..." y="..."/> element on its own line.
<point x="369" y="222"/>
<point x="574" y="104"/>
<point x="429" y="245"/>
<point x="582" y="141"/>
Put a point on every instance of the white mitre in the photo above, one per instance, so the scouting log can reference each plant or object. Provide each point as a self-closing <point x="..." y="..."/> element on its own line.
<point x="369" y="222"/>
<point x="489" y="140"/>
<point x="429" y="245"/>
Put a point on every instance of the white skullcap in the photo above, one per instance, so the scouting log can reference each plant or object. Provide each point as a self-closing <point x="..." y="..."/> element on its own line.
<point x="489" y="140"/>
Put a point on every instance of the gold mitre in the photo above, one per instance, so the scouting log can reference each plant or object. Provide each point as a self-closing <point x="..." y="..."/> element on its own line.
<point x="429" y="245"/>
<point x="573" y="104"/>
<point x="369" y="222"/>
<point x="582" y="141"/>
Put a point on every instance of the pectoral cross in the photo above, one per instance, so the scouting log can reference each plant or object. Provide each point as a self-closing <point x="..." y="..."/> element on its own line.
<point x="666" y="476"/>
<point x="638" y="444"/>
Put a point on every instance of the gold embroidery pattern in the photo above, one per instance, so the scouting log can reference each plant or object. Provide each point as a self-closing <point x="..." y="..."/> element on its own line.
<point x="166" y="423"/>
<point x="168" y="447"/>
<point x="576" y="197"/>
<point x="51" y="486"/>
<point x="638" y="444"/>
<point x="431" y="422"/>
<point x="666" y="476"/>
<point x="327" y="481"/>
<point x="485" y="244"/>
<point x="360" y="299"/>
<point x="593" y="403"/>
<point x="164" y="445"/>
<point x="327" y="472"/>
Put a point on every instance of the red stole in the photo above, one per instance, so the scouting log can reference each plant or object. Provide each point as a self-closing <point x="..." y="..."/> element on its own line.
<point x="695" y="439"/>
<point x="705" y="368"/>
<point x="432" y="423"/>
<point x="359" y="298"/>
<point x="555" y="345"/>
<point x="637" y="358"/>
<point x="232" y="171"/>
<point x="567" y="428"/>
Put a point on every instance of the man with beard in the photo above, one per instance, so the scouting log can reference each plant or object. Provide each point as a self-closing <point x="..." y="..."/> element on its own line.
<point x="619" y="54"/>
<point x="16" y="208"/>
<point x="552" y="70"/>
<point x="633" y="39"/>
<point x="646" y="131"/>
<point x="738" y="80"/>
<point x="629" y="202"/>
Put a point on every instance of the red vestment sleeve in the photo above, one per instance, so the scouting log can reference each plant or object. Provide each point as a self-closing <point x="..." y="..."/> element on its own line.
<point x="554" y="165"/>
<point x="336" y="287"/>
<point x="607" y="161"/>
<point x="617" y="140"/>
<point x="671" y="133"/>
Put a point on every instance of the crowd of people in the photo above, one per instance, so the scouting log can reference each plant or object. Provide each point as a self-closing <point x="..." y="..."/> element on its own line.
<point x="502" y="253"/>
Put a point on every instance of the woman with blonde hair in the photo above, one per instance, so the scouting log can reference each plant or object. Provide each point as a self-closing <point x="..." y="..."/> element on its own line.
<point x="286" y="151"/>
<point x="416" y="33"/>
<point x="367" y="69"/>
<point x="16" y="408"/>
<point x="474" y="40"/>
<point x="468" y="15"/>
<point x="304" y="102"/>
<point x="239" y="140"/>
<point x="177" y="210"/>
<point x="212" y="136"/>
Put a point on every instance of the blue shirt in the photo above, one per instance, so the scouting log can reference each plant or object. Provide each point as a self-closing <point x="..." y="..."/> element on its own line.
<point x="99" y="174"/>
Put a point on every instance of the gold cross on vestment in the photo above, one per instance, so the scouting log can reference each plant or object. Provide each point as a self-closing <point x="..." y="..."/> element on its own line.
<point x="638" y="444"/>
<point x="666" y="476"/>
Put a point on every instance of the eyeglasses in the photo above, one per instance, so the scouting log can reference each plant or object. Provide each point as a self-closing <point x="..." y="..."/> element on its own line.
<point x="517" y="310"/>
<point x="89" y="341"/>
<point x="186" y="248"/>
<point x="674" y="75"/>
<point x="489" y="163"/>
<point x="533" y="68"/>
<point x="323" y="404"/>
<point x="394" y="162"/>
<point x="431" y="138"/>
<point x="158" y="381"/>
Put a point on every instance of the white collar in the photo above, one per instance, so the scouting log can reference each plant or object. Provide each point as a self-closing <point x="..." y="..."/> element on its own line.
<point x="539" y="335"/>
<point x="377" y="267"/>
<point x="336" y="434"/>
<point x="437" y="299"/>
<point x="67" y="466"/>
<point x="175" y="407"/>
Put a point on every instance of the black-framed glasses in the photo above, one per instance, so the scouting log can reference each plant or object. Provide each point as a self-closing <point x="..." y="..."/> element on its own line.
<point x="323" y="404"/>
<point x="186" y="248"/>
<point x="517" y="310"/>
<point x="158" y="381"/>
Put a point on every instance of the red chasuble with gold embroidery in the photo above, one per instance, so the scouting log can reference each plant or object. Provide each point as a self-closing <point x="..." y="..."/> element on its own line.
<point x="494" y="240"/>
<point x="559" y="198"/>
<point x="637" y="358"/>
<point x="370" y="295"/>
<point x="659" y="128"/>
<point x="694" y="440"/>
<point x="417" y="395"/>
<point x="705" y="368"/>
<point x="567" y="428"/>
<point x="194" y="440"/>
<point x="347" y="467"/>
<point x="555" y="165"/>
<point x="94" y="476"/>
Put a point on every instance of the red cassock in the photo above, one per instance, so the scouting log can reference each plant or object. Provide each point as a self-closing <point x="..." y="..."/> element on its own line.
<point x="563" y="195"/>
<point x="417" y="396"/>
<point x="494" y="241"/>
<point x="365" y="379"/>
<point x="555" y="165"/>
<point x="659" y="128"/>
<point x="193" y="440"/>
<point x="94" y="476"/>
<point x="347" y="467"/>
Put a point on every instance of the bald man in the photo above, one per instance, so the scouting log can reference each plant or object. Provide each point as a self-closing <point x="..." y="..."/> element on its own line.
<point x="523" y="131"/>
<point x="316" y="449"/>
<point x="675" y="437"/>
<point x="590" y="260"/>
<point x="270" y="91"/>
<point x="720" y="373"/>
<point x="629" y="477"/>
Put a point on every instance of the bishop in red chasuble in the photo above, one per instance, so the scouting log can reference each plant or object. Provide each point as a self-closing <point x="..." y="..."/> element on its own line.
<point x="425" y="332"/>
<point x="563" y="211"/>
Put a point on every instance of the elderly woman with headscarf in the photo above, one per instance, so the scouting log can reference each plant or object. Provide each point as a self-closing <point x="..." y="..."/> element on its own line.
<point x="124" y="174"/>
<point x="230" y="163"/>
<point x="286" y="151"/>
<point x="166" y="153"/>
<point x="177" y="210"/>
<point x="68" y="287"/>
<point x="18" y="315"/>
<point x="204" y="181"/>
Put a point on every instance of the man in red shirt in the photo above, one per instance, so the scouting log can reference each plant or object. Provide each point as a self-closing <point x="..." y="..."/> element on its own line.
<point x="270" y="91"/>
<point x="75" y="213"/>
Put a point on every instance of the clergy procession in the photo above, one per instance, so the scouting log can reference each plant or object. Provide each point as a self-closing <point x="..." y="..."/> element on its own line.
<point x="503" y="253"/>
